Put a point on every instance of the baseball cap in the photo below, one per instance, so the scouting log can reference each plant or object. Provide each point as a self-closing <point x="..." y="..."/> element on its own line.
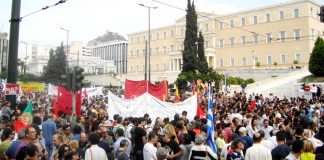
<point x="242" y="129"/>
<point x="164" y="132"/>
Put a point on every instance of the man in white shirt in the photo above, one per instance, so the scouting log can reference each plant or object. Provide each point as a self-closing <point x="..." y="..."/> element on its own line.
<point x="95" y="152"/>
<point x="149" y="150"/>
<point x="266" y="128"/>
<point x="257" y="151"/>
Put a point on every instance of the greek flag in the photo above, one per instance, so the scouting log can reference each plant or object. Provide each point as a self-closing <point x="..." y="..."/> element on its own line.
<point x="210" y="122"/>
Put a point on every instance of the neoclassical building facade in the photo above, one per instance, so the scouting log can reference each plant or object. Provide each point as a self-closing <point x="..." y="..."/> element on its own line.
<point x="282" y="35"/>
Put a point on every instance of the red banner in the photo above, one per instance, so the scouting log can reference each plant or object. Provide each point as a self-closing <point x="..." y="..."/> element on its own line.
<point x="159" y="91"/>
<point x="64" y="100"/>
<point x="134" y="89"/>
<point x="12" y="89"/>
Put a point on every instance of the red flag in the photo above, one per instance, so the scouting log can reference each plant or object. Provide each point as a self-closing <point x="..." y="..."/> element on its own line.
<point x="176" y="97"/>
<point x="252" y="105"/>
<point x="55" y="106"/>
<point x="78" y="102"/>
<point x="64" y="99"/>
<point x="193" y="87"/>
<point x="85" y="92"/>
<point x="200" y="111"/>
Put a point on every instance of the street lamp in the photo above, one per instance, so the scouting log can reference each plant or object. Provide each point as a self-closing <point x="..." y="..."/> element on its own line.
<point x="149" y="38"/>
<point x="67" y="46"/>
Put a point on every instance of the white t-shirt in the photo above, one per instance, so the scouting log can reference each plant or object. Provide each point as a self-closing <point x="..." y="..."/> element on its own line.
<point x="95" y="153"/>
<point x="149" y="152"/>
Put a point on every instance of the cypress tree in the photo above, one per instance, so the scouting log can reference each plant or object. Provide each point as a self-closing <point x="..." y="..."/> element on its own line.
<point x="56" y="65"/>
<point x="189" y="53"/>
<point x="202" y="61"/>
<point x="316" y="61"/>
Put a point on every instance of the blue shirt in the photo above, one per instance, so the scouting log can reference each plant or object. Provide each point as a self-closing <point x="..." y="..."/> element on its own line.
<point x="76" y="137"/>
<point x="117" y="144"/>
<point x="10" y="152"/>
<point x="49" y="129"/>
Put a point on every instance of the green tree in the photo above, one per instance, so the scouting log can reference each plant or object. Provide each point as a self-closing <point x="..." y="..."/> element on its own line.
<point x="316" y="65"/>
<point x="202" y="61"/>
<point x="189" y="54"/>
<point x="56" y="65"/>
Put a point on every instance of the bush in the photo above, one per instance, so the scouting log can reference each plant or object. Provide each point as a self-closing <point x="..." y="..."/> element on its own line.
<point x="258" y="64"/>
<point x="295" y="62"/>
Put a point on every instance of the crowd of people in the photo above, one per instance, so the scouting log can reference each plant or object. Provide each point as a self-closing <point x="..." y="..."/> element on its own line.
<point x="250" y="127"/>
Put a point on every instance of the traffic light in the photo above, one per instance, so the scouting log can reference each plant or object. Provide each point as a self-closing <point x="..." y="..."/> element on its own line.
<point x="66" y="80"/>
<point x="303" y="86"/>
<point x="321" y="14"/>
<point x="77" y="78"/>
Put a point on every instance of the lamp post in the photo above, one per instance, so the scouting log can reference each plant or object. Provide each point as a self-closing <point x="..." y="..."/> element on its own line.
<point x="149" y="38"/>
<point x="67" y="46"/>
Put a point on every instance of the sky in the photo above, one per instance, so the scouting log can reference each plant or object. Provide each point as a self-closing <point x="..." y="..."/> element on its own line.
<point x="88" y="19"/>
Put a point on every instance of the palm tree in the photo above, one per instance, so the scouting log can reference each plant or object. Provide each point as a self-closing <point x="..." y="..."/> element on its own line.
<point x="23" y="66"/>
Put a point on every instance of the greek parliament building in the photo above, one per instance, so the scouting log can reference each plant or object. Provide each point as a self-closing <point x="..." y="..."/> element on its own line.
<point x="282" y="34"/>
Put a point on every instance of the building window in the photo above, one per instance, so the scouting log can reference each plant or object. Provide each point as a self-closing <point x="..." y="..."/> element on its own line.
<point x="269" y="37"/>
<point x="221" y="43"/>
<point x="243" y="21"/>
<point x="255" y="19"/>
<point x="282" y="35"/>
<point x="172" y="33"/>
<point x="296" y="13"/>
<point x="157" y="50"/>
<point x="137" y="53"/>
<point x="143" y="52"/>
<point x="232" y="62"/>
<point x="221" y="63"/>
<point x="283" y="59"/>
<point x="164" y="35"/>
<point x="131" y="53"/>
<point x="244" y="61"/>
<point x="137" y="39"/>
<point x="157" y="36"/>
<point x="206" y="27"/>
<point x="131" y="68"/>
<point x="269" y="59"/>
<point x="157" y="66"/>
<point x="232" y="23"/>
<point x="164" y="49"/>
<point x="144" y="38"/>
<point x="256" y="39"/>
<point x="268" y="17"/>
<point x="243" y="40"/>
<point x="206" y="44"/>
<point x="232" y="42"/>
<point x="221" y="25"/>
<point x="132" y="40"/>
<point x="182" y="31"/>
<point x="297" y="57"/>
<point x="172" y="47"/>
<point x="297" y="34"/>
<point x="281" y="15"/>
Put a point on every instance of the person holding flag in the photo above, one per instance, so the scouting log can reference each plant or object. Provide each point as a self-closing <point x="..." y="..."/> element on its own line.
<point x="25" y="119"/>
<point x="210" y="122"/>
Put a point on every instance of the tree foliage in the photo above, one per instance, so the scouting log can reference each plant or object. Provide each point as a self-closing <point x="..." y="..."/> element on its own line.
<point x="189" y="54"/>
<point x="316" y="61"/>
<point x="202" y="61"/>
<point x="56" y="65"/>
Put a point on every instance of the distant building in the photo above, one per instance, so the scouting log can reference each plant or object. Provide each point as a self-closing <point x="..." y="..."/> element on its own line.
<point x="92" y="65"/>
<point x="4" y="51"/>
<point x="110" y="46"/>
<point x="283" y="34"/>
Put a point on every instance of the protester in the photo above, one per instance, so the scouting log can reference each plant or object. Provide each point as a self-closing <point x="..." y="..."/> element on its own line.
<point x="200" y="150"/>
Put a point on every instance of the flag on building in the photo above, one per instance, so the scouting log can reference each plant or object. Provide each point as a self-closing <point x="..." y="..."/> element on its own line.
<point x="25" y="119"/>
<point x="210" y="122"/>
<point x="176" y="97"/>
